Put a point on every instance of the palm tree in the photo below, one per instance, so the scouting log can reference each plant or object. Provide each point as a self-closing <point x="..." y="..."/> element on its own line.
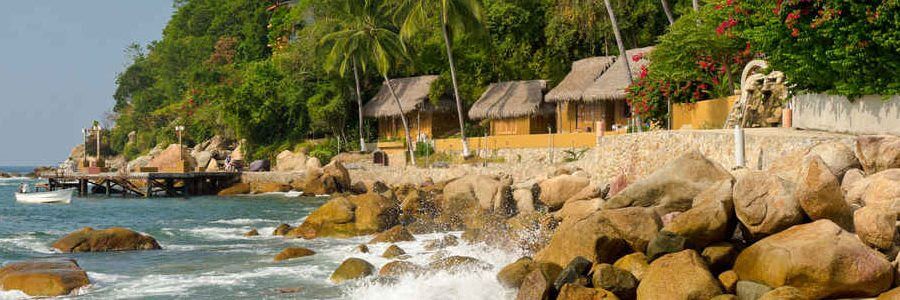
<point x="696" y="4"/>
<point x="621" y="45"/>
<point x="665" y="6"/>
<point x="456" y="16"/>
<point x="368" y="37"/>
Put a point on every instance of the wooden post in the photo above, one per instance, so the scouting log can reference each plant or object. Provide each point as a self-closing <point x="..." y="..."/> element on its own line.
<point x="108" y="187"/>
<point x="149" y="193"/>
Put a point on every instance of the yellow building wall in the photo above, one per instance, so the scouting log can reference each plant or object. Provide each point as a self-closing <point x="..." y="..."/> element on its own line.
<point x="613" y="112"/>
<point x="707" y="114"/>
<point x="511" y="126"/>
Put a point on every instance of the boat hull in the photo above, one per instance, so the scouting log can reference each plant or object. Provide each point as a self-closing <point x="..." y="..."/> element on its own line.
<point x="60" y="196"/>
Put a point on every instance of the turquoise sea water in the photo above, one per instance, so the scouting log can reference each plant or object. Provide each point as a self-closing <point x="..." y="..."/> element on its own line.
<point x="206" y="256"/>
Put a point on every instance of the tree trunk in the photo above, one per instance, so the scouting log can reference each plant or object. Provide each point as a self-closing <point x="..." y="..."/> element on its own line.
<point x="624" y="58"/>
<point x="409" y="141"/>
<point x="362" y="138"/>
<point x="459" y="110"/>
<point x="665" y="5"/>
<point x="696" y="5"/>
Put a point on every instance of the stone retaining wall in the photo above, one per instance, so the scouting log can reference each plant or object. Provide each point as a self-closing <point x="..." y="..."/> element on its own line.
<point x="866" y="115"/>
<point x="634" y="154"/>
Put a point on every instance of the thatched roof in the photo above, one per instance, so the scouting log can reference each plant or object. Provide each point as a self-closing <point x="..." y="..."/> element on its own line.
<point x="510" y="99"/>
<point x="612" y="84"/>
<point x="413" y="94"/>
<point x="584" y="73"/>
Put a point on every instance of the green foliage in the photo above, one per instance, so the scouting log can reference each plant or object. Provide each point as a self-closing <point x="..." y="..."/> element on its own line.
<point x="571" y="155"/>
<point x="423" y="149"/>
<point x="325" y="150"/>
<point x="266" y="109"/>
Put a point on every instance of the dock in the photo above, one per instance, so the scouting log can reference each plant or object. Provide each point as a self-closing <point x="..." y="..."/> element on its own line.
<point x="146" y="185"/>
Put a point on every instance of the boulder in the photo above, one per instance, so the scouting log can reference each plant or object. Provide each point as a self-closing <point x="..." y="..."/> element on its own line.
<point x="213" y="166"/>
<point x="282" y="229"/>
<point x="784" y="293"/>
<point x="332" y="219"/>
<point x="555" y="191"/>
<point x="635" y="263"/>
<point x="750" y="290"/>
<point x="466" y="200"/>
<point x="368" y="186"/>
<point x="837" y="156"/>
<point x="138" y="163"/>
<point x="524" y="200"/>
<point x="392" y="252"/>
<point x="399" y="268"/>
<point x="446" y="241"/>
<point x="619" y="183"/>
<point x="252" y="232"/>
<point x="352" y="269"/>
<point x="394" y="235"/>
<point x="458" y="264"/>
<point x="877" y="153"/>
<point x="664" y="243"/>
<point x="538" y="285"/>
<point x="203" y="158"/>
<point x="104" y="240"/>
<point x="268" y="187"/>
<point x="362" y="248"/>
<point x="710" y="219"/>
<point x="374" y="213"/>
<point x="602" y="230"/>
<point x="819" y="194"/>
<point x="293" y="252"/>
<point x="719" y="256"/>
<point x="620" y="282"/>
<point x="577" y="209"/>
<point x="313" y="163"/>
<point x="239" y="188"/>
<point x="260" y="166"/>
<point x="575" y="272"/>
<point x="728" y="280"/>
<point x="288" y="161"/>
<point x="336" y="173"/>
<point x="880" y="190"/>
<point x="43" y="278"/>
<point x="876" y="227"/>
<point x="673" y="187"/>
<point x="173" y="158"/>
<point x="578" y="292"/>
<point x="681" y="275"/>
<point x="841" y="267"/>
<point x="851" y="177"/>
<point x="893" y="294"/>
<point x="765" y="204"/>
<point x="512" y="275"/>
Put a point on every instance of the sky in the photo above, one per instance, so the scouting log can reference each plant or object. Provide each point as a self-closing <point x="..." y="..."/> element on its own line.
<point x="58" y="65"/>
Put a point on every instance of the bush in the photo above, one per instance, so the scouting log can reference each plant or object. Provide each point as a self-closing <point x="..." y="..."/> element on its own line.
<point x="423" y="149"/>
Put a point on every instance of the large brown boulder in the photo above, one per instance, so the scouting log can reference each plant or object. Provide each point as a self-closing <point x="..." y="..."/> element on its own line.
<point x="172" y="158"/>
<point x="710" y="219"/>
<point x="374" y="213"/>
<point x="43" y="278"/>
<point x="269" y="187"/>
<point x="673" y="187"/>
<point x="288" y="161"/>
<point x="348" y="217"/>
<point x="458" y="264"/>
<point x="111" y="239"/>
<point x="467" y="199"/>
<point x="819" y="193"/>
<point x="681" y="275"/>
<point x="877" y="153"/>
<point x="352" y="269"/>
<point x="293" y="252"/>
<point x="395" y="234"/>
<point x="880" y="190"/>
<point x="400" y="268"/>
<point x="820" y="259"/>
<point x="594" y="236"/>
<point x="512" y="275"/>
<point x="239" y="188"/>
<point x="837" y="156"/>
<point x="335" y="173"/>
<point x="765" y="204"/>
<point x="578" y="292"/>
<point x="555" y="191"/>
<point x="635" y="263"/>
<point x="620" y="282"/>
<point x="538" y="285"/>
<point x="876" y="227"/>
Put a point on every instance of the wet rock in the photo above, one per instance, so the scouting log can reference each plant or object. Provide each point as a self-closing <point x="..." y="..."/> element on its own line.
<point x="785" y="258"/>
<point x="293" y="252"/>
<point x="252" y="232"/>
<point x="681" y="275"/>
<point x="374" y="213"/>
<point x="362" y="248"/>
<point x="400" y="268"/>
<point x="104" y="240"/>
<point x="635" y="263"/>
<point x="710" y="219"/>
<point x="555" y="191"/>
<point x="673" y="187"/>
<point x="512" y="275"/>
<point x="620" y="282"/>
<point x="282" y="229"/>
<point x="664" y="243"/>
<point x="269" y="187"/>
<point x="729" y="280"/>
<point x="392" y="252"/>
<point x="466" y="200"/>
<point x="289" y="290"/>
<point x="765" y="204"/>
<point x="333" y="219"/>
<point x="446" y="241"/>
<point x="352" y="269"/>
<point x="635" y="225"/>
<point x="458" y="264"/>
<point x="538" y="285"/>
<point x="877" y="153"/>
<point x="820" y="195"/>
<point x="577" y="292"/>
<point x="394" y="235"/>
<point x="524" y="200"/>
<point x="577" y="269"/>
<point x="369" y="186"/>
<point x="43" y="278"/>
<point x="876" y="227"/>
<point x="236" y="189"/>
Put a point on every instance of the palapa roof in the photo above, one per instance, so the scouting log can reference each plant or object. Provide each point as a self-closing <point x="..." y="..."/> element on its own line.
<point x="413" y="94"/>
<point x="584" y="73"/>
<point x="510" y="99"/>
<point x="612" y="84"/>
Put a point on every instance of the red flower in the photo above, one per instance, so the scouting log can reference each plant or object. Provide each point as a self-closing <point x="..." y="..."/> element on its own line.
<point x="637" y="57"/>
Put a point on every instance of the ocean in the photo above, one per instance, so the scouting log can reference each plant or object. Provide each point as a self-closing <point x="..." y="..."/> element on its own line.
<point x="206" y="256"/>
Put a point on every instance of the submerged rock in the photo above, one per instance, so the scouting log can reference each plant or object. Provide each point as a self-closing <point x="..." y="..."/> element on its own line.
<point x="282" y="229"/>
<point x="351" y="269"/>
<point x="252" y="232"/>
<point x="293" y="252"/>
<point x="458" y="263"/>
<point x="43" y="278"/>
<point x="400" y="268"/>
<point x="393" y="251"/>
<point x="103" y="240"/>
<point x="236" y="189"/>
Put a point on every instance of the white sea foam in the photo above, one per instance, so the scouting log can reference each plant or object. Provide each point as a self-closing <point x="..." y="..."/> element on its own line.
<point x="26" y="241"/>
<point x="12" y="295"/>
<point x="218" y="233"/>
<point x="243" y="221"/>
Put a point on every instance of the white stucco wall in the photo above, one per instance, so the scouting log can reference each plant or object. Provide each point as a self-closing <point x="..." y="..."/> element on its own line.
<point x="866" y="115"/>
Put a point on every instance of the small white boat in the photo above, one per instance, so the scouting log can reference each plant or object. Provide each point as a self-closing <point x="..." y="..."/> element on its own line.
<point x="60" y="196"/>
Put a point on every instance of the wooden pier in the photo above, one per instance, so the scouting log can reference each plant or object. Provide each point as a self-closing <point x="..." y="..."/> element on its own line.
<point x="145" y="185"/>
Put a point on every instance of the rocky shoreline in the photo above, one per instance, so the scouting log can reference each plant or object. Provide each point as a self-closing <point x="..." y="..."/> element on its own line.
<point x="817" y="223"/>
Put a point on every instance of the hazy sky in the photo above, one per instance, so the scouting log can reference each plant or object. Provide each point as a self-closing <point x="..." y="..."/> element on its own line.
<point x="58" y="64"/>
